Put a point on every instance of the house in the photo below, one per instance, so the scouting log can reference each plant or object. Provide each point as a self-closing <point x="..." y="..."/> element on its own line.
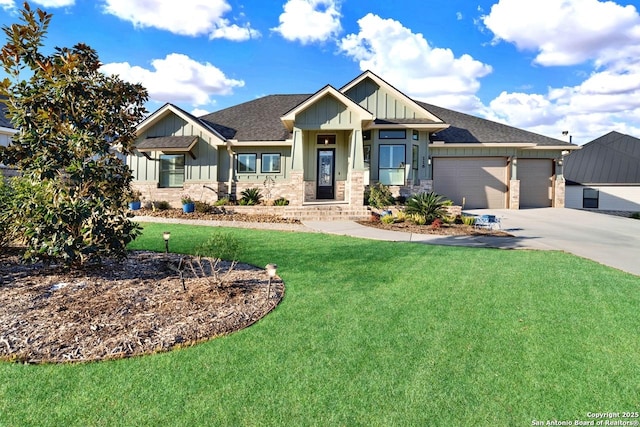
<point x="605" y="174"/>
<point x="327" y="147"/>
<point x="6" y="132"/>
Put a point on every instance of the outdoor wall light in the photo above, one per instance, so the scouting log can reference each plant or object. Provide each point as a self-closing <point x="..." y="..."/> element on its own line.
<point x="271" y="272"/>
<point x="166" y="236"/>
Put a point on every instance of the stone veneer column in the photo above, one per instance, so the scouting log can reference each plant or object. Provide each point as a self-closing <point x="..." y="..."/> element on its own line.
<point x="514" y="194"/>
<point x="356" y="188"/>
<point x="296" y="181"/>
<point x="559" y="192"/>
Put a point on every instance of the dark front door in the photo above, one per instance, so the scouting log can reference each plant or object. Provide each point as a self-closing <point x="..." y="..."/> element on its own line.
<point x="326" y="174"/>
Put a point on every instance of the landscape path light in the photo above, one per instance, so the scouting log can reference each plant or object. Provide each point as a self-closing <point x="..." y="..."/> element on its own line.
<point x="166" y="236"/>
<point x="271" y="272"/>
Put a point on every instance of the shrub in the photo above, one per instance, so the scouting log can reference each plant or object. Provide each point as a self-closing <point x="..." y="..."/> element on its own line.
<point x="69" y="116"/>
<point x="220" y="245"/>
<point x="160" y="205"/>
<point x="430" y="205"/>
<point x="400" y="200"/>
<point x="221" y="202"/>
<point x="635" y="215"/>
<point x="7" y="229"/>
<point x="281" y="202"/>
<point x="251" y="196"/>
<point x="418" y="219"/>
<point x="387" y="219"/>
<point x="401" y="216"/>
<point x="468" y="220"/>
<point x="203" y="207"/>
<point x="436" y="224"/>
<point x="380" y="196"/>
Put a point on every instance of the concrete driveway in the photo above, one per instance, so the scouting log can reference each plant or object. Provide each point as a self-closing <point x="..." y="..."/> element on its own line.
<point x="607" y="239"/>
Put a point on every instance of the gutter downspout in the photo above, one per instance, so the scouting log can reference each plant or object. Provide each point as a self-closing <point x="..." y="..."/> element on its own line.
<point x="231" y="171"/>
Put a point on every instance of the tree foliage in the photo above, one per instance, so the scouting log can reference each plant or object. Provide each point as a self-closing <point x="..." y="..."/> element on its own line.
<point x="71" y="202"/>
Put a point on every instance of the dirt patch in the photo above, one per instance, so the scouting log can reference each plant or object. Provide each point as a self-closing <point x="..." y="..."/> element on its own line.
<point x="123" y="309"/>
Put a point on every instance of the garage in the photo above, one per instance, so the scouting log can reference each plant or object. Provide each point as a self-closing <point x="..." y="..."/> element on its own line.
<point x="481" y="181"/>
<point x="535" y="177"/>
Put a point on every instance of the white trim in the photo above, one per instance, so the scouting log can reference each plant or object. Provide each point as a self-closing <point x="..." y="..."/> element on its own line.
<point x="556" y="147"/>
<point x="442" y="144"/>
<point x="11" y="131"/>
<point x="425" y="126"/>
<point x="233" y="143"/>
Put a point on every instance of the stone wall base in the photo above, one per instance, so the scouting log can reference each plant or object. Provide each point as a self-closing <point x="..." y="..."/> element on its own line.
<point x="514" y="194"/>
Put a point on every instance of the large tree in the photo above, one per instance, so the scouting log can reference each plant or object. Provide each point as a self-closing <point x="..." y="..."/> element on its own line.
<point x="74" y="124"/>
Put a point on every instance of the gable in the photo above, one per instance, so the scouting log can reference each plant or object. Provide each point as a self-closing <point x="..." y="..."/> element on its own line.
<point x="385" y="101"/>
<point x="326" y="112"/>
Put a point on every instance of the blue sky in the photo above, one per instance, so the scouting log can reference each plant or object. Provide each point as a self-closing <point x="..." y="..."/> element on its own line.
<point x="543" y="65"/>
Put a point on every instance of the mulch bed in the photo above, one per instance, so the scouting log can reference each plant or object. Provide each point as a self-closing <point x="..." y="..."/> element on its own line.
<point x="219" y="214"/>
<point x="444" y="229"/>
<point x="124" y="309"/>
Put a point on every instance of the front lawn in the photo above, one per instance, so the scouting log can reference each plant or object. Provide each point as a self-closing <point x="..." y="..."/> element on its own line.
<point x="372" y="333"/>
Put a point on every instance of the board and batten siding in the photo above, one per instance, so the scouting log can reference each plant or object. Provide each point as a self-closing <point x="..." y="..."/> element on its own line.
<point x="326" y="113"/>
<point x="203" y="168"/>
<point x="380" y="102"/>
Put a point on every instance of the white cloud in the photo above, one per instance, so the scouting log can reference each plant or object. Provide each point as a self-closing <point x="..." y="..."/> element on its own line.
<point x="184" y="17"/>
<point x="11" y="4"/>
<point x="606" y="101"/>
<point x="406" y="60"/>
<point x="54" y="3"/>
<point x="566" y="32"/>
<point x="177" y="78"/>
<point x="309" y="21"/>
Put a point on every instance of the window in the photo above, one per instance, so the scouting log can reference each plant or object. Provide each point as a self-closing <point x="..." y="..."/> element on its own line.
<point x="171" y="170"/>
<point x="415" y="136"/>
<point x="392" y="134"/>
<point x="590" y="198"/>
<point x="367" y="154"/>
<point x="366" y="135"/>
<point x="392" y="161"/>
<point x="415" y="158"/>
<point x="270" y="163"/>
<point x="246" y="163"/>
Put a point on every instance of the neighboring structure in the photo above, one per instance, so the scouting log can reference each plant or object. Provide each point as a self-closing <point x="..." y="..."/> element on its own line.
<point x="6" y="132"/>
<point x="325" y="148"/>
<point x="605" y="174"/>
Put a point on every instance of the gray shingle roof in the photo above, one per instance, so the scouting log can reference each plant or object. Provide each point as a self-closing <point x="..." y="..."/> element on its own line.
<point x="166" y="142"/>
<point x="611" y="159"/>
<point x="466" y="128"/>
<point x="4" y="118"/>
<point x="257" y="120"/>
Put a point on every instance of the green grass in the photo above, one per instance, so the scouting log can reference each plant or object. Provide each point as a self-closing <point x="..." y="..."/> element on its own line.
<point x="372" y="333"/>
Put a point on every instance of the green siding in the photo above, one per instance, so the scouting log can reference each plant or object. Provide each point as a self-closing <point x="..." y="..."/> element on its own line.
<point x="326" y="113"/>
<point x="203" y="168"/>
<point x="382" y="103"/>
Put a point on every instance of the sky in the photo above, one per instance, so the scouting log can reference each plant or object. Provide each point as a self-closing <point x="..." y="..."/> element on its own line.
<point x="547" y="66"/>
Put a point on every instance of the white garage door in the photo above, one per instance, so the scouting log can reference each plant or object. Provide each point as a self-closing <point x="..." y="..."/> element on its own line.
<point x="535" y="182"/>
<point x="481" y="181"/>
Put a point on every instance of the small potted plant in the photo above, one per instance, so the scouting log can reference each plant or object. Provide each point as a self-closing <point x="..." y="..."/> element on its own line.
<point x="134" y="200"/>
<point x="188" y="206"/>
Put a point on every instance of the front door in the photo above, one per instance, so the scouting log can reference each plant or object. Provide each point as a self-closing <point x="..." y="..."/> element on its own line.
<point x="326" y="174"/>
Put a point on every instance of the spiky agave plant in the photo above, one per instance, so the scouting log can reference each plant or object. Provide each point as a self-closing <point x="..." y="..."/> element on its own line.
<point x="429" y="205"/>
